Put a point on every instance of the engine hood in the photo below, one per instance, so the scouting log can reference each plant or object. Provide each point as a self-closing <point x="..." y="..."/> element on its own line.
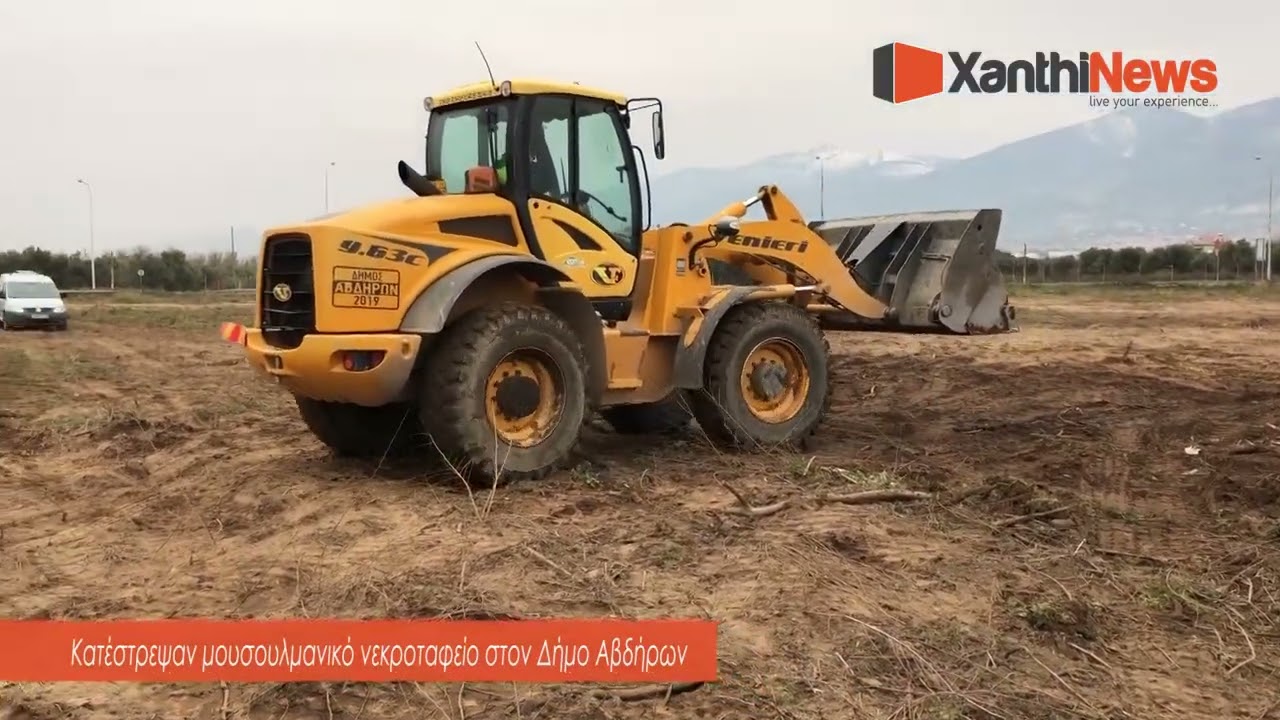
<point x="28" y="304"/>
<point x="416" y="216"/>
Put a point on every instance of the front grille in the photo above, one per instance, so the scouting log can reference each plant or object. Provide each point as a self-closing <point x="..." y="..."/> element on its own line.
<point x="286" y="261"/>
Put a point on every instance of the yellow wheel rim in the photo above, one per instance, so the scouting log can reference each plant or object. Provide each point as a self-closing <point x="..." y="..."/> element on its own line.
<point x="775" y="381"/>
<point x="524" y="398"/>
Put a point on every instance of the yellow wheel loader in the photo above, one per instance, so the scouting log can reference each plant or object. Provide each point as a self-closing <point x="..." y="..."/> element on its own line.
<point x="521" y="290"/>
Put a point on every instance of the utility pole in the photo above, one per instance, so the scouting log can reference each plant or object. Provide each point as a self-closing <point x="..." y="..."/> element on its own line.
<point x="1024" y="263"/>
<point x="822" y="188"/>
<point x="235" y="261"/>
<point x="1271" y="181"/>
<point x="93" y="271"/>
<point x="326" y="186"/>
<point x="1266" y="249"/>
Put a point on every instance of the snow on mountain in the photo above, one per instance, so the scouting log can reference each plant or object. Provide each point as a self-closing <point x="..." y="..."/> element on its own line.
<point x="1141" y="176"/>
<point x="1117" y="130"/>
<point x="835" y="159"/>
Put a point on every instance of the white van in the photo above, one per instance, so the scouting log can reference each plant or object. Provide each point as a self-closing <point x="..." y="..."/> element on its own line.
<point x="29" y="299"/>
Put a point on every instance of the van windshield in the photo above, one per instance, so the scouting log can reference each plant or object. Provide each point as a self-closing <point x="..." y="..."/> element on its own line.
<point x="31" y="290"/>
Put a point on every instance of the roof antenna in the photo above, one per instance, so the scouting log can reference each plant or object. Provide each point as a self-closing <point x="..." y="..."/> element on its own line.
<point x="486" y="65"/>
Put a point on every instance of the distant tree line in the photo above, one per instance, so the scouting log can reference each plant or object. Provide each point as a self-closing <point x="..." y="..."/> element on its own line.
<point x="175" y="270"/>
<point x="1233" y="261"/>
<point x="171" y="270"/>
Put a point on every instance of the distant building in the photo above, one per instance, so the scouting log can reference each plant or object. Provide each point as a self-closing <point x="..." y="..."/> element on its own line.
<point x="1208" y="244"/>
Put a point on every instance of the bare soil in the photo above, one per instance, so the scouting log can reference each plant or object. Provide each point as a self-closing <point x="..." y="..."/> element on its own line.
<point x="1100" y="537"/>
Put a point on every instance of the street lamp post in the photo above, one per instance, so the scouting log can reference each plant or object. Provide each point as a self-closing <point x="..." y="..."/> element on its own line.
<point x="822" y="184"/>
<point x="326" y="186"/>
<point x="822" y="188"/>
<point x="93" y="272"/>
<point x="1271" y="181"/>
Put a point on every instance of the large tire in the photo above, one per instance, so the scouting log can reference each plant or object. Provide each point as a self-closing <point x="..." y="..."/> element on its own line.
<point x="783" y="396"/>
<point x="669" y="416"/>
<point x="357" y="431"/>
<point x="504" y="392"/>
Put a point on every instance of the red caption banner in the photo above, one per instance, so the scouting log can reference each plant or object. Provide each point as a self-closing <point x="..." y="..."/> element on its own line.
<point x="358" y="650"/>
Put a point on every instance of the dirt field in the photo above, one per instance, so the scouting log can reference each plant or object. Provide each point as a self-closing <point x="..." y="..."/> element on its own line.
<point x="1102" y="540"/>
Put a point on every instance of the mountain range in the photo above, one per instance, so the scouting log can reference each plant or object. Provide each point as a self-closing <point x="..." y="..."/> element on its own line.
<point x="1136" y="176"/>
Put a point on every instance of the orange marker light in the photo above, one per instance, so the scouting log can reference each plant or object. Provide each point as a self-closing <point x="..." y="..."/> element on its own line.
<point x="233" y="332"/>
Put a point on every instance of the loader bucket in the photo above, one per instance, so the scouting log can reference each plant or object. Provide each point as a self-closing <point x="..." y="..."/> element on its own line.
<point x="936" y="271"/>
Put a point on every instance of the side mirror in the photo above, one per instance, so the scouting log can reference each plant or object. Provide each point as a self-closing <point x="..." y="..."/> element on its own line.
<point x="726" y="227"/>
<point x="659" y="144"/>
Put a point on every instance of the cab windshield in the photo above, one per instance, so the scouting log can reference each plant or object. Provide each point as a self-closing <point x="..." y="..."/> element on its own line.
<point x="31" y="290"/>
<point x="464" y="137"/>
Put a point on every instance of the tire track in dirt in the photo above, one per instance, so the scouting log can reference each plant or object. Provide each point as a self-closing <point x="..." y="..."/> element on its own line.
<point x="165" y="375"/>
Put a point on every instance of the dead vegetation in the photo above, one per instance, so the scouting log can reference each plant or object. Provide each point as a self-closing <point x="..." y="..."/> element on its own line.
<point x="1078" y="521"/>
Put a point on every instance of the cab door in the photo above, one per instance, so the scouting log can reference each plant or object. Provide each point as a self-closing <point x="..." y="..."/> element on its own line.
<point x="583" y="199"/>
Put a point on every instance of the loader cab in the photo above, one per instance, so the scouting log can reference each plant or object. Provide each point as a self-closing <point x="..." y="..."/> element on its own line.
<point x="563" y="156"/>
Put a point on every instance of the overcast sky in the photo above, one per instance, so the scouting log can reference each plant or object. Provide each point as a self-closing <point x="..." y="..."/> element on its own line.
<point x="189" y="116"/>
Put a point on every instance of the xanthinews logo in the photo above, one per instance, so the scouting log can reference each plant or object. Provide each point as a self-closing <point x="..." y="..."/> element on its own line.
<point x="901" y="73"/>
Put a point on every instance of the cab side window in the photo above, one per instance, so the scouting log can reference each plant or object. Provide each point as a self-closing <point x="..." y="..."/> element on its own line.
<point x="605" y="189"/>
<point x="549" y="154"/>
<point x="578" y="156"/>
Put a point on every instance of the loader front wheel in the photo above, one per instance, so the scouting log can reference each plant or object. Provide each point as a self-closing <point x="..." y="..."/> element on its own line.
<point x="504" y="393"/>
<point x="765" y="377"/>
<point x="357" y="431"/>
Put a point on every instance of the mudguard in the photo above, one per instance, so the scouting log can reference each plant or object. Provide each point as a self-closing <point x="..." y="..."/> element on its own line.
<point x="429" y="312"/>
<point x="691" y="353"/>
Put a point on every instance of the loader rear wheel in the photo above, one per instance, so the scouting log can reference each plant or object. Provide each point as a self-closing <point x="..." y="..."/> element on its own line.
<point x="665" y="416"/>
<point x="765" y="377"/>
<point x="505" y="392"/>
<point x="357" y="431"/>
